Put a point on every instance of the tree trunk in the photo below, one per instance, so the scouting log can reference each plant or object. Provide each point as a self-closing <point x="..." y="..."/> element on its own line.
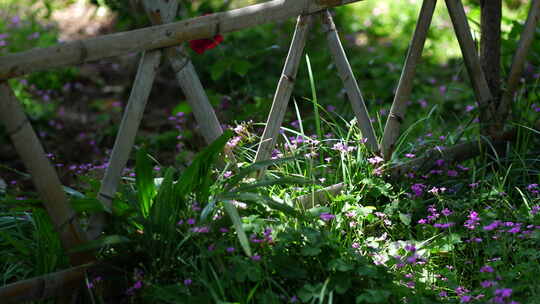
<point x="490" y="58"/>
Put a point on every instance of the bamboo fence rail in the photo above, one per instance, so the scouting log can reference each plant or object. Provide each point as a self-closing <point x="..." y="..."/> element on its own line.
<point x="159" y="36"/>
<point x="164" y="39"/>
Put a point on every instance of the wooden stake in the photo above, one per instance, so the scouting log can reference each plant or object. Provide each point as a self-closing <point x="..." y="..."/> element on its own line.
<point x="470" y="56"/>
<point x="125" y="138"/>
<point x="404" y="89"/>
<point x="43" y="174"/>
<point x="155" y="37"/>
<point x="186" y="76"/>
<point x="520" y="56"/>
<point x="349" y="81"/>
<point x="284" y="89"/>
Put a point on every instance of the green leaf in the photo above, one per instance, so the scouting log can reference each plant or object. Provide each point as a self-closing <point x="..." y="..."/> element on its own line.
<point x="273" y="182"/>
<point x="183" y="107"/>
<point x="197" y="177"/>
<point x="146" y="189"/>
<point x="241" y="67"/>
<point x="405" y="218"/>
<point x="218" y="69"/>
<point x="311" y="251"/>
<point x="73" y="192"/>
<point x="101" y="242"/>
<point x="339" y="265"/>
<point x="373" y="296"/>
<point x="261" y="200"/>
<point x="235" y="180"/>
<point x="237" y="223"/>
<point x="19" y="245"/>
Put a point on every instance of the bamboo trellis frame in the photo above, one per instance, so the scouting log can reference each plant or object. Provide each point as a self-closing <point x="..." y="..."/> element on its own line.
<point x="162" y="39"/>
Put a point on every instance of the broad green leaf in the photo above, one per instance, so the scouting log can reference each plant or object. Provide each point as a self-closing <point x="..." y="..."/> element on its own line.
<point x="237" y="178"/>
<point x="237" y="223"/>
<point x="146" y="189"/>
<point x="19" y="245"/>
<point x="241" y="67"/>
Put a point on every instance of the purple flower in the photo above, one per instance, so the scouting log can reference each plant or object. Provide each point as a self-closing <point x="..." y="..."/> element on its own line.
<point x="439" y="162"/>
<point x="465" y="299"/>
<point x="444" y="225"/>
<point x="418" y="189"/>
<point x="325" y="216"/>
<point x="230" y="249"/>
<point x="256" y="258"/>
<point x="191" y="221"/>
<point x="344" y="148"/>
<point x="473" y="220"/>
<point x="410" y="248"/>
<point x="188" y="282"/>
<point x="492" y="226"/>
<point x="410" y="155"/>
<point x="137" y="285"/>
<point x="452" y="173"/>
<point x="503" y="292"/>
<point x="535" y="209"/>
<point x="375" y="160"/>
<point x="486" y="268"/>
<point x="487" y="284"/>
<point x="227" y="174"/>
<point x="201" y="229"/>
<point x="446" y="212"/>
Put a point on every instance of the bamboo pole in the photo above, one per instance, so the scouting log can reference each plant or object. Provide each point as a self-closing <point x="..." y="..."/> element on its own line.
<point x="404" y="89"/>
<point x="186" y="76"/>
<point x="349" y="81"/>
<point x="284" y="89"/>
<point x="76" y="52"/>
<point x="43" y="174"/>
<point x="126" y="136"/>
<point x="319" y="197"/>
<point x="57" y="284"/>
<point x="520" y="56"/>
<point x="131" y="119"/>
<point x="470" y="56"/>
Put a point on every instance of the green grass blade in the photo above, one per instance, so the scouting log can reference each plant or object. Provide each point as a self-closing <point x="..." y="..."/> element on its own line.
<point x="146" y="189"/>
<point x="237" y="223"/>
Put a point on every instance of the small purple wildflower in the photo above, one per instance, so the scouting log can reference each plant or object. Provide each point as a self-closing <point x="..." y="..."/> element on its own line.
<point x="418" y="189"/>
<point x="325" y="216"/>
<point x="486" y="268"/>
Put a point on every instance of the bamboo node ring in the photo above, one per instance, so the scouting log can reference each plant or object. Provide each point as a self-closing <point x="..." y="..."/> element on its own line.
<point x="396" y="117"/>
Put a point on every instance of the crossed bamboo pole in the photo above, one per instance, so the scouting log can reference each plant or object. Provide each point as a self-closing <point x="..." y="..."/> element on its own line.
<point x="160" y="11"/>
<point x="286" y="85"/>
<point x="44" y="176"/>
<point x="64" y="218"/>
<point x="470" y="56"/>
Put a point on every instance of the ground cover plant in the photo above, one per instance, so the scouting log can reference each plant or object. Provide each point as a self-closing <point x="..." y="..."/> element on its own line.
<point x="190" y="227"/>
